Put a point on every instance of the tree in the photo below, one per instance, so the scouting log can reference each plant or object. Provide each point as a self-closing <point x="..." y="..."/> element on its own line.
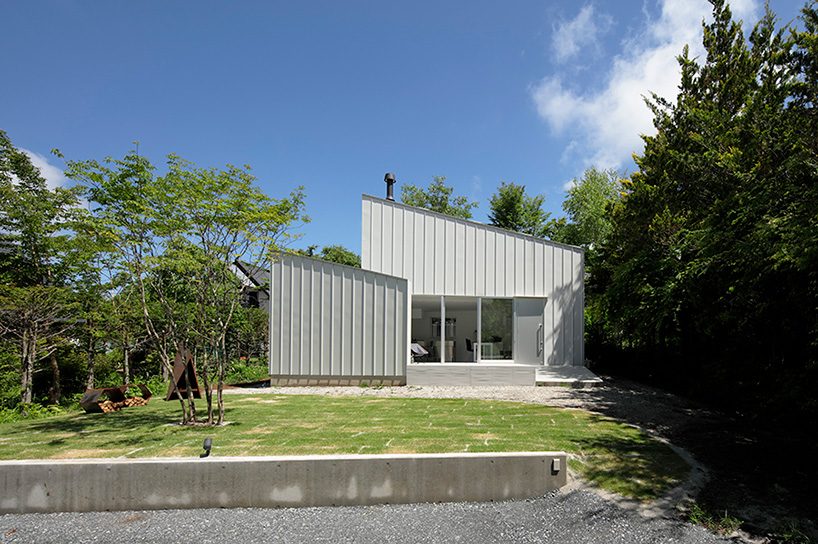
<point x="438" y="198"/>
<point x="711" y="259"/>
<point x="512" y="209"/>
<point x="341" y="255"/>
<point x="37" y="260"/>
<point x="176" y="237"/>
<point x="334" y="254"/>
<point x="125" y="326"/>
<point x="38" y="317"/>
<point x="588" y="206"/>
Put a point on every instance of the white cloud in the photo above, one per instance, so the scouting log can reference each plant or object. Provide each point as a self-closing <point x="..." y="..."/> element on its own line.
<point x="53" y="175"/>
<point x="568" y="185"/>
<point x="476" y="187"/>
<point x="606" y="124"/>
<point x="581" y="32"/>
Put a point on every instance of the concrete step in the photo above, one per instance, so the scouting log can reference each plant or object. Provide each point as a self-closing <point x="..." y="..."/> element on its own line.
<point x="566" y="376"/>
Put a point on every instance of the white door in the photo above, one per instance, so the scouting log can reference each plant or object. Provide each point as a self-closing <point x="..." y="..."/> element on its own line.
<point x="529" y="336"/>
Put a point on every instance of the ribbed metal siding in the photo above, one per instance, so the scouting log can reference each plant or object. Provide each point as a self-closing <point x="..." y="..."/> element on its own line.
<point x="330" y="320"/>
<point x="442" y="255"/>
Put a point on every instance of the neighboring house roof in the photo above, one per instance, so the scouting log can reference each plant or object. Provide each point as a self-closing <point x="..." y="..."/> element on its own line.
<point x="258" y="276"/>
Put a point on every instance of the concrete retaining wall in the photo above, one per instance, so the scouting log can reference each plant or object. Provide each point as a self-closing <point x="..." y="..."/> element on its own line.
<point x="265" y="482"/>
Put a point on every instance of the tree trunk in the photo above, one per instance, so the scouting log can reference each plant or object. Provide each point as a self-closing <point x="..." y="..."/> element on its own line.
<point x="29" y="353"/>
<point x="126" y="365"/>
<point x="54" y="392"/>
<point x="204" y="371"/>
<point x="190" y="402"/>
<point x="89" y="382"/>
<point x="220" y="382"/>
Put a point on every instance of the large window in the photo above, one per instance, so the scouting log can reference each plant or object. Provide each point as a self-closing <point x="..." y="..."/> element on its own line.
<point x="426" y="327"/>
<point x="462" y="329"/>
<point x="496" y="317"/>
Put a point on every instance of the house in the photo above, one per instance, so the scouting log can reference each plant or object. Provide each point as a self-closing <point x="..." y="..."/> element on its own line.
<point x="486" y="305"/>
<point x="254" y="293"/>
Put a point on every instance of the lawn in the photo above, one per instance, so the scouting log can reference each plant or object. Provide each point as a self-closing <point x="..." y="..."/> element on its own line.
<point x="608" y="454"/>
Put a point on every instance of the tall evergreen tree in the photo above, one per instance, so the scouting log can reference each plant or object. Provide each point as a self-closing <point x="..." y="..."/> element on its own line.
<point x="708" y="259"/>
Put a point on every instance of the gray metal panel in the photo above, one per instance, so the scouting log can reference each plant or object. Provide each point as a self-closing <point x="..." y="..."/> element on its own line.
<point x="333" y="320"/>
<point x="442" y="255"/>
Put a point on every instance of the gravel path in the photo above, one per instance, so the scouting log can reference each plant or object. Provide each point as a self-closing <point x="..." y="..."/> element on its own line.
<point x="575" y="517"/>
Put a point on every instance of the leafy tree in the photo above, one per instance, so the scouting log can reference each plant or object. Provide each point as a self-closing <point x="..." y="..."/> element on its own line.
<point x="176" y="237"/>
<point x="37" y="260"/>
<point x="438" y="198"/>
<point x="341" y="255"/>
<point x="334" y="254"/>
<point x="125" y="327"/>
<point x="513" y="209"/>
<point x="588" y="206"/>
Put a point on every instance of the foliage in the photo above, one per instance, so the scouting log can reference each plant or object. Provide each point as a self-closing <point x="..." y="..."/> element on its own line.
<point x="248" y="335"/>
<point x="175" y="238"/>
<point x="721" y="523"/>
<point x="157" y="385"/>
<point x="438" y="198"/>
<point x="609" y="454"/>
<point x="9" y="376"/>
<point x="588" y="206"/>
<point x="247" y="371"/>
<point x="512" y="209"/>
<point x="713" y="256"/>
<point x="36" y="222"/>
<point x="334" y="254"/>
<point x="790" y="532"/>
<point x="39" y="259"/>
<point x="341" y="255"/>
<point x="26" y="412"/>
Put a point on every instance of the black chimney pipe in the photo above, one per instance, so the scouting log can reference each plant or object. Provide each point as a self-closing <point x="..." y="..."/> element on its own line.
<point x="389" y="178"/>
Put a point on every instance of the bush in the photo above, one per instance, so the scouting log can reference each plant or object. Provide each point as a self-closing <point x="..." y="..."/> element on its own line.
<point x="30" y="411"/>
<point x="244" y="371"/>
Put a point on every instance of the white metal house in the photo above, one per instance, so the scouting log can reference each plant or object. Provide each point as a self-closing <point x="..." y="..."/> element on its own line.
<point x="488" y="306"/>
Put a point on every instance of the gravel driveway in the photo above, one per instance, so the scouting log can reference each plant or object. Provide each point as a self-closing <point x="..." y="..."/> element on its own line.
<point x="577" y="516"/>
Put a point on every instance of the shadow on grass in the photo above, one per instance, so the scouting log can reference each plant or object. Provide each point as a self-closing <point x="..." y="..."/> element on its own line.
<point x="639" y="468"/>
<point x="116" y="422"/>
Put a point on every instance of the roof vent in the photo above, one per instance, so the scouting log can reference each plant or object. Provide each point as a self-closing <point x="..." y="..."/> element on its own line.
<point x="389" y="178"/>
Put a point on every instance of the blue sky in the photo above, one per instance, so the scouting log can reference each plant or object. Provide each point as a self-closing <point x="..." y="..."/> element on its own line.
<point x="332" y="95"/>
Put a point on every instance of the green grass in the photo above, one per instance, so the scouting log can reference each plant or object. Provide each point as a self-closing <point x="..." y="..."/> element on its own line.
<point x="608" y="454"/>
<point x="718" y="522"/>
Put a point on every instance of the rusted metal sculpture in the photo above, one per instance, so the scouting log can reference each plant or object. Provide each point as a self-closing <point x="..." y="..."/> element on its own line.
<point x="112" y="399"/>
<point x="183" y="360"/>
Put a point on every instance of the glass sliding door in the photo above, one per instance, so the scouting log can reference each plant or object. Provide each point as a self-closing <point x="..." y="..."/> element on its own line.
<point x="461" y="329"/>
<point x="496" y="329"/>
<point x="426" y="333"/>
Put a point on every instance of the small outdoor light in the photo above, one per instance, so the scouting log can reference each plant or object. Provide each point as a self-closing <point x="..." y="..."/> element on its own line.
<point x="207" y="445"/>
